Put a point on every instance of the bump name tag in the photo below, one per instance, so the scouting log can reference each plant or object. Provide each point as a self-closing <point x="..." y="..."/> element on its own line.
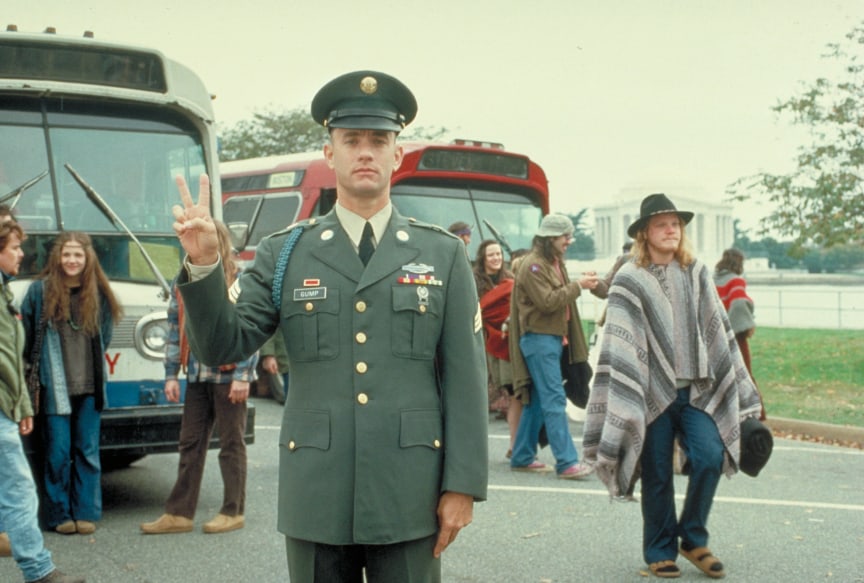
<point x="310" y="293"/>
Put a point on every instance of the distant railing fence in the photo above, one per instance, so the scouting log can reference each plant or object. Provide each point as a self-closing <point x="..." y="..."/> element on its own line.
<point x="784" y="307"/>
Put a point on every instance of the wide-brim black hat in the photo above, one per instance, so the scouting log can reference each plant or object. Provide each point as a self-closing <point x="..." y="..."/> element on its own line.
<point x="364" y="100"/>
<point x="655" y="204"/>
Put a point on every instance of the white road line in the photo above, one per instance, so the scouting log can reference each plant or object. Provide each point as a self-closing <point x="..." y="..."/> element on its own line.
<point x="729" y="499"/>
<point x="820" y="447"/>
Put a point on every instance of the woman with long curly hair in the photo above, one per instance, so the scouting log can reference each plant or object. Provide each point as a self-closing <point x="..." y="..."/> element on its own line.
<point x="73" y="304"/>
<point x="494" y="286"/>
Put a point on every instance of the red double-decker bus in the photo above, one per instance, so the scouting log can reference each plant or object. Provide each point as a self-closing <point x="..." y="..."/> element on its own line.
<point x="479" y="183"/>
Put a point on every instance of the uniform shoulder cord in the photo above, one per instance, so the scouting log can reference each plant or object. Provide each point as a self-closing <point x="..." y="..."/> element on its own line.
<point x="282" y="265"/>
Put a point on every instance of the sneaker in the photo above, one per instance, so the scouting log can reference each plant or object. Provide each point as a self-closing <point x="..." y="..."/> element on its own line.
<point x="168" y="524"/>
<point x="85" y="526"/>
<point x="576" y="472"/>
<point x="224" y="523"/>
<point x="535" y="466"/>
<point x="56" y="576"/>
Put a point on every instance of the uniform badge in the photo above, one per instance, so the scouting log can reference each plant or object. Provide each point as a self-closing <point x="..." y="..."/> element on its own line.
<point x="402" y="236"/>
<point x="368" y="85"/>
<point x="234" y="291"/>
<point x="478" y="320"/>
<point x="326" y="234"/>
<point x="310" y="293"/>
<point x="419" y="280"/>
<point x="535" y="268"/>
<point x="422" y="298"/>
<point x="418" y="268"/>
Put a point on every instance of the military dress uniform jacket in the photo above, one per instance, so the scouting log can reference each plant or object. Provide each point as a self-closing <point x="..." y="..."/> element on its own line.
<point x="387" y="407"/>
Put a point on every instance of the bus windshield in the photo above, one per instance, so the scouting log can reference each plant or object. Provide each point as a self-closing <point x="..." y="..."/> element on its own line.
<point x="129" y="158"/>
<point x="515" y="216"/>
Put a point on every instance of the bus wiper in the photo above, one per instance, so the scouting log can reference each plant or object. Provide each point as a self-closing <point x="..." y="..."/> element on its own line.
<point x="117" y="222"/>
<point x="499" y="237"/>
<point x="17" y="192"/>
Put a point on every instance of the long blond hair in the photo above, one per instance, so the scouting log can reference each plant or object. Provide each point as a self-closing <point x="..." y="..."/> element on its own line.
<point x="94" y="283"/>
<point x="642" y="258"/>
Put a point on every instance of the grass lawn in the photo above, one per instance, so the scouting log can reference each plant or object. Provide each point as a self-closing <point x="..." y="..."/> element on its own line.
<point x="814" y="375"/>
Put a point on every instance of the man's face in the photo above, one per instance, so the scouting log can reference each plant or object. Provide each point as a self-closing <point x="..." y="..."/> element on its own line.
<point x="11" y="256"/>
<point x="364" y="160"/>
<point x="561" y="243"/>
<point x="663" y="234"/>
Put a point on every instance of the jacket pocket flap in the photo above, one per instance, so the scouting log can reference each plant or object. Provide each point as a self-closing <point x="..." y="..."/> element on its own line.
<point x="306" y="428"/>
<point x="421" y="427"/>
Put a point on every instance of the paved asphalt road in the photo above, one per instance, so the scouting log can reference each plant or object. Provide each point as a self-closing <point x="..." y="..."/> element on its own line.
<point x="802" y="520"/>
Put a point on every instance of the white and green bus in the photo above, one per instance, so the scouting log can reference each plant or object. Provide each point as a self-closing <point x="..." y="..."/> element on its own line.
<point x="79" y="115"/>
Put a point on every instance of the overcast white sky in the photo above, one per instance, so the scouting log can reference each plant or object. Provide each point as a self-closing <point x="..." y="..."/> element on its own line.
<point x="656" y="94"/>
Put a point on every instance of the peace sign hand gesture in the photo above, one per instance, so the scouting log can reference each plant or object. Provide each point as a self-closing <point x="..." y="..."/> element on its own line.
<point x="194" y="224"/>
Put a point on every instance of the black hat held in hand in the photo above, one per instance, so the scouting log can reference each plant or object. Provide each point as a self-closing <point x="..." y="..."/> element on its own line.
<point x="756" y="446"/>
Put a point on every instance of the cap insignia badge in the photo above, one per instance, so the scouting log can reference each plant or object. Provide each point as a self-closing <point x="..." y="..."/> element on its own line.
<point x="368" y="85"/>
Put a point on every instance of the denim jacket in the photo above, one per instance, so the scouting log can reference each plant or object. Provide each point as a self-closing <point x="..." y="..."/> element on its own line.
<point x="52" y="373"/>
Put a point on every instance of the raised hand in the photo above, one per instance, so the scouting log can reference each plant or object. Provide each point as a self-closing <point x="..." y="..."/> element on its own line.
<point x="194" y="224"/>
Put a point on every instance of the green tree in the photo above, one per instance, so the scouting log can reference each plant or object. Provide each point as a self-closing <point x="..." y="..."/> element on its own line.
<point x="582" y="246"/>
<point x="424" y="133"/>
<point x="821" y="202"/>
<point x="273" y="132"/>
<point x="778" y="253"/>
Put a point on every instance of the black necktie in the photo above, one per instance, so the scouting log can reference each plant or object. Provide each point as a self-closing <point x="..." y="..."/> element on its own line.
<point x="366" y="248"/>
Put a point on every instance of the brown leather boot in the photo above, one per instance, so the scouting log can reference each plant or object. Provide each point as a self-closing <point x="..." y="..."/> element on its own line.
<point x="5" y="545"/>
<point x="168" y="524"/>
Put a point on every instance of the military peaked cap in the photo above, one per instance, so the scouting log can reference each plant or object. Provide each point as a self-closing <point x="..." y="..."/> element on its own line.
<point x="367" y="100"/>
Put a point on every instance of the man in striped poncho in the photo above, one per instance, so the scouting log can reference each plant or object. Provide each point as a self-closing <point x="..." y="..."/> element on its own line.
<point x="669" y="367"/>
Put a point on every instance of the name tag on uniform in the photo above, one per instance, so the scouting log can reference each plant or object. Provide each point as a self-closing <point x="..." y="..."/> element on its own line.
<point x="310" y="293"/>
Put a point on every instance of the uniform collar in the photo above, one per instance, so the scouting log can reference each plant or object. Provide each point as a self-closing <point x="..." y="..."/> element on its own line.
<point x="354" y="223"/>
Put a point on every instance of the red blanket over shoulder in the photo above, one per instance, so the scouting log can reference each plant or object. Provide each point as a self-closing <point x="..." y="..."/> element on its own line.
<point x="495" y="308"/>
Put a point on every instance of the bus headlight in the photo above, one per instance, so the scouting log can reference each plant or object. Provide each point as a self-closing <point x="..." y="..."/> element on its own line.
<point x="151" y="335"/>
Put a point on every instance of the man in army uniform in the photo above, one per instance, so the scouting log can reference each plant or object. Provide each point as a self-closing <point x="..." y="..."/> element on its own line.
<point x="383" y="448"/>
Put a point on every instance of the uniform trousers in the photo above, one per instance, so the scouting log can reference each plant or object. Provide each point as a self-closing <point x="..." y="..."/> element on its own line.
<point x="699" y="438"/>
<point x="405" y="562"/>
<point x="205" y="404"/>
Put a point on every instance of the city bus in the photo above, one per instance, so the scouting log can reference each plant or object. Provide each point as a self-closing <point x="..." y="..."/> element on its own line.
<point x="501" y="194"/>
<point x="92" y="135"/>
